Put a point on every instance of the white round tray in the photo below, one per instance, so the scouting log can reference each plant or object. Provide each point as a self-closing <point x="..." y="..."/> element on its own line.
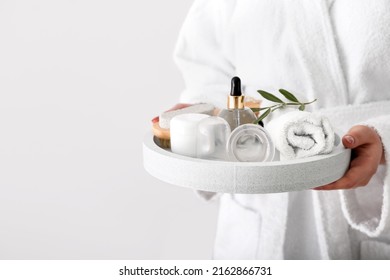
<point x="244" y="177"/>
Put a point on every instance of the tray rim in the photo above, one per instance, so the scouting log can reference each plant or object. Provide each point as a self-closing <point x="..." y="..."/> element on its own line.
<point x="235" y="172"/>
<point x="150" y="143"/>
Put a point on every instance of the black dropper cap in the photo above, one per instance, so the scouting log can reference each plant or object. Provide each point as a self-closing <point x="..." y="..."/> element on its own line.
<point x="236" y="87"/>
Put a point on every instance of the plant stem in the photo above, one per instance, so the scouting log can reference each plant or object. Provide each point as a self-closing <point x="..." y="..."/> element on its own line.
<point x="307" y="103"/>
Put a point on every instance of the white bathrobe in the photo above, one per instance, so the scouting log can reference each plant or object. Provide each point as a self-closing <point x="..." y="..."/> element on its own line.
<point x="336" y="51"/>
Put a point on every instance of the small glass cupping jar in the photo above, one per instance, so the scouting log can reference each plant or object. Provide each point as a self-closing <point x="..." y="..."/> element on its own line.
<point x="250" y="143"/>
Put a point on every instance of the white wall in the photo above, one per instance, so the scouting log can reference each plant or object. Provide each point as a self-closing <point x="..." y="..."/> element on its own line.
<point x="79" y="83"/>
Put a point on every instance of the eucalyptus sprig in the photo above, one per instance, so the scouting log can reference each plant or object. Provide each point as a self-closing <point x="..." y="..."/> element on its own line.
<point x="280" y="103"/>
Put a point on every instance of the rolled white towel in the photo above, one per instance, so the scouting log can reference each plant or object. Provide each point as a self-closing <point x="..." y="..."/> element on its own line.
<point x="300" y="134"/>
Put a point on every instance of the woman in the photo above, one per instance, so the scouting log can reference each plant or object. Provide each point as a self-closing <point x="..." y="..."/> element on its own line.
<point x="335" y="51"/>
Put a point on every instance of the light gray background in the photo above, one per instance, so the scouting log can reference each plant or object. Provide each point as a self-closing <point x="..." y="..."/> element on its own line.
<point x="79" y="83"/>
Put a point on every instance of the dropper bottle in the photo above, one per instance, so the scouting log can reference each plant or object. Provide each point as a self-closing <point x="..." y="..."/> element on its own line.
<point x="236" y="114"/>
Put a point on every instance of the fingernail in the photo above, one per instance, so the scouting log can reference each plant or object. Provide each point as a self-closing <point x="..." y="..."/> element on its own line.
<point x="349" y="139"/>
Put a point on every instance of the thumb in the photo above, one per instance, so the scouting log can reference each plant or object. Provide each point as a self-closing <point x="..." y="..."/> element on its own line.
<point x="356" y="136"/>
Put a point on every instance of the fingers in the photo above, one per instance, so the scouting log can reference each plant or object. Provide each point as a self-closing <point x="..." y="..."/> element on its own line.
<point x="352" y="179"/>
<point x="367" y="154"/>
<point x="362" y="168"/>
<point x="359" y="135"/>
<point x="364" y="141"/>
<point x="353" y="138"/>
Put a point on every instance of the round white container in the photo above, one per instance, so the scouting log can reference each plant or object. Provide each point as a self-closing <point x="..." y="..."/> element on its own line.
<point x="184" y="130"/>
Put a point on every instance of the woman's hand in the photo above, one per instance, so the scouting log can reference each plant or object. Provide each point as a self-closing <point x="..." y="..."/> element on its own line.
<point x="367" y="154"/>
<point x="176" y="107"/>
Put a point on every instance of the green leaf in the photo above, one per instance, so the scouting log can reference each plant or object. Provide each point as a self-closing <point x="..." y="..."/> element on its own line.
<point x="264" y="115"/>
<point x="288" y="95"/>
<point x="258" y="109"/>
<point x="269" y="96"/>
<point x="302" y="107"/>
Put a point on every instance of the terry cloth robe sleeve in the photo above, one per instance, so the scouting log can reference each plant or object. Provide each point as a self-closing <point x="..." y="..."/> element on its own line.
<point x="367" y="208"/>
<point x="203" y="62"/>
